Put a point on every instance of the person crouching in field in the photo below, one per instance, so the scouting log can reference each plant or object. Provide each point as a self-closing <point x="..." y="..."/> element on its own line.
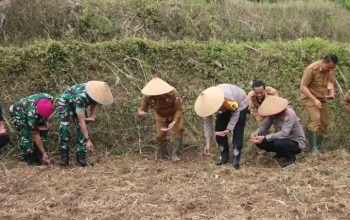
<point x="169" y="114"/>
<point x="30" y="116"/>
<point x="257" y="96"/>
<point x="316" y="88"/>
<point x="72" y="103"/>
<point x="231" y="103"/>
<point x="4" y="137"/>
<point x="289" y="140"/>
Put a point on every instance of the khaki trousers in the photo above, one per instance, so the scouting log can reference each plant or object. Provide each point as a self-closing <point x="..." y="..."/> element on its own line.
<point x="163" y="122"/>
<point x="318" y="117"/>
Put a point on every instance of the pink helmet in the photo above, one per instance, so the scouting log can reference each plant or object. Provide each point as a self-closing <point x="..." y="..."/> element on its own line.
<point x="44" y="107"/>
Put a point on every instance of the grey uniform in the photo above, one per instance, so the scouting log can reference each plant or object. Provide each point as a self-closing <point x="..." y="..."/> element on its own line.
<point x="289" y="124"/>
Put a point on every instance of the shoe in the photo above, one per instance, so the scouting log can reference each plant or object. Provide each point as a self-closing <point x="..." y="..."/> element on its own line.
<point x="221" y="162"/>
<point x="235" y="161"/>
<point x="287" y="163"/>
<point x="64" y="161"/>
<point x="81" y="159"/>
<point x="29" y="159"/>
<point x="235" y="166"/>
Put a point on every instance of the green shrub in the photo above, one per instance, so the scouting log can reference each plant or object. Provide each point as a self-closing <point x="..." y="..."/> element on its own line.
<point x="51" y="66"/>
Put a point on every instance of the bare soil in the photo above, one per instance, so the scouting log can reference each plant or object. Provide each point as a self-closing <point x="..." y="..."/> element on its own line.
<point x="144" y="187"/>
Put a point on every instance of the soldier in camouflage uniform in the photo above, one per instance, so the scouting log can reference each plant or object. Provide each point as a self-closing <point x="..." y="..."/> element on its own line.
<point x="72" y="103"/>
<point x="30" y="117"/>
<point x="169" y="112"/>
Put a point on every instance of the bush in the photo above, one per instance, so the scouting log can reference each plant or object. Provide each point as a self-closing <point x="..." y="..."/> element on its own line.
<point x="190" y="67"/>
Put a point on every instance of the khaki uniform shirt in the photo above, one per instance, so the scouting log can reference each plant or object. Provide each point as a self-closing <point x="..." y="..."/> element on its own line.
<point x="317" y="80"/>
<point x="290" y="127"/>
<point x="254" y="104"/>
<point x="168" y="106"/>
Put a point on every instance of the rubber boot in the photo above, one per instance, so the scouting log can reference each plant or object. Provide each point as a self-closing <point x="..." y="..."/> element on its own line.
<point x="81" y="159"/>
<point x="28" y="158"/>
<point x="64" y="161"/>
<point x="223" y="158"/>
<point x="236" y="158"/>
<point x="175" y="147"/>
<point x="313" y="143"/>
<point x="37" y="158"/>
<point x="164" y="152"/>
<point x="319" y="140"/>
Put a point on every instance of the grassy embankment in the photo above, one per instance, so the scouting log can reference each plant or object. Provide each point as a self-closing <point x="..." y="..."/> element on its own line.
<point x="51" y="66"/>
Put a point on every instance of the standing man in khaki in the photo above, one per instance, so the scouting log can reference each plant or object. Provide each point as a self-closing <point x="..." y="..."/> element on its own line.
<point x="317" y="86"/>
<point x="169" y="114"/>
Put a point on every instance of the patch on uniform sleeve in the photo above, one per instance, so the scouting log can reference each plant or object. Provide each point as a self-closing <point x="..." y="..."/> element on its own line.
<point x="315" y="67"/>
<point x="286" y="117"/>
<point x="230" y="105"/>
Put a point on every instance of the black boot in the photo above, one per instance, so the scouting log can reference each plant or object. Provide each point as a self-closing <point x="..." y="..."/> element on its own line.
<point x="81" y="159"/>
<point x="223" y="159"/>
<point x="28" y="158"/>
<point x="236" y="158"/>
<point x="37" y="158"/>
<point x="235" y="161"/>
<point x="64" y="161"/>
<point x="288" y="162"/>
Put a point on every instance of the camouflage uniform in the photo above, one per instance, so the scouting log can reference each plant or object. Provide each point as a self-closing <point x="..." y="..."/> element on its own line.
<point x="72" y="101"/>
<point x="27" y="120"/>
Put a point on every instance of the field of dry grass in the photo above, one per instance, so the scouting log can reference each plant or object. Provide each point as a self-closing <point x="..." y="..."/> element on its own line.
<point x="144" y="187"/>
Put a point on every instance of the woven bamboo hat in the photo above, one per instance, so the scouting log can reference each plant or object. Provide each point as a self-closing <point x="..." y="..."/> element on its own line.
<point x="272" y="105"/>
<point x="209" y="101"/>
<point x="157" y="86"/>
<point x="99" y="92"/>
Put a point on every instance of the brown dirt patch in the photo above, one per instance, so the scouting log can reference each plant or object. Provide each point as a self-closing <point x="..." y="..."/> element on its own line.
<point x="141" y="187"/>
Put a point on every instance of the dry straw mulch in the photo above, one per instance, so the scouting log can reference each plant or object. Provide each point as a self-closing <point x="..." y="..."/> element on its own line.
<point x="142" y="187"/>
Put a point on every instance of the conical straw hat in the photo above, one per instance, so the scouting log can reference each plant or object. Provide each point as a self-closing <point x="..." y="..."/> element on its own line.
<point x="209" y="101"/>
<point x="272" y="105"/>
<point x="157" y="86"/>
<point x="99" y="92"/>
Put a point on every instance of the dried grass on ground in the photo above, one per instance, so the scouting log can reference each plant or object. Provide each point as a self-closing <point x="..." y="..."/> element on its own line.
<point x="141" y="187"/>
